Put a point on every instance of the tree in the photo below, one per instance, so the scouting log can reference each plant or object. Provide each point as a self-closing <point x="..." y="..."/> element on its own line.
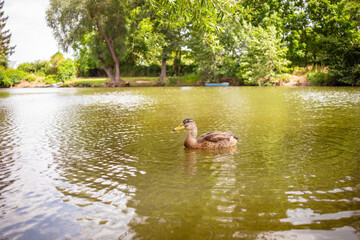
<point x="66" y="70"/>
<point x="55" y="61"/>
<point x="85" y="59"/>
<point x="264" y="55"/>
<point x="5" y="49"/>
<point x="104" y="21"/>
<point x="174" y="18"/>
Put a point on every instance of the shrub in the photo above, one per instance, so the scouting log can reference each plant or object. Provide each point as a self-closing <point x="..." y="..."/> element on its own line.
<point x="191" y="78"/>
<point x="26" y="67"/>
<point x="30" y="78"/>
<point x="300" y="70"/>
<point x="66" y="70"/>
<point x="172" y="80"/>
<point x="10" y="77"/>
<point x="285" y="77"/>
<point x="34" y="67"/>
<point x="15" y="75"/>
<point x="319" y="77"/>
<point x="265" y="54"/>
<point x="40" y="74"/>
<point x="50" y="79"/>
<point x="4" y="79"/>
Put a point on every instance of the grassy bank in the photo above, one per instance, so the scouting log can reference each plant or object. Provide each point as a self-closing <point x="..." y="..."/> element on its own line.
<point x="308" y="76"/>
<point x="101" y="82"/>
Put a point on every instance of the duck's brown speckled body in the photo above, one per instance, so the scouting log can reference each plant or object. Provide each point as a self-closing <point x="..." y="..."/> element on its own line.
<point x="214" y="139"/>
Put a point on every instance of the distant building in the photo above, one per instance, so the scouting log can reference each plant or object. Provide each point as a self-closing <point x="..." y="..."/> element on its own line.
<point x="13" y="64"/>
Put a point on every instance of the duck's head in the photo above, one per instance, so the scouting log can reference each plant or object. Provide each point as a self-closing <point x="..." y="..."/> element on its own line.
<point x="187" y="124"/>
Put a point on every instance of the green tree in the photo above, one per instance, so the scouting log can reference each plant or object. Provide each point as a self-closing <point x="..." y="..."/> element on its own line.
<point x="5" y="49"/>
<point x="84" y="57"/>
<point x="55" y="61"/>
<point x="264" y="53"/>
<point x="66" y="70"/>
<point x="174" y="19"/>
<point x="105" y="23"/>
<point x="38" y="66"/>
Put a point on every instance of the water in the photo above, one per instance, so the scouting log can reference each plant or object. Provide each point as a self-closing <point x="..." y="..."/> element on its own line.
<point x="105" y="164"/>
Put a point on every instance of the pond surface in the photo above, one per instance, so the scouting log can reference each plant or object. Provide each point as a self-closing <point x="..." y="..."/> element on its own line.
<point x="105" y="164"/>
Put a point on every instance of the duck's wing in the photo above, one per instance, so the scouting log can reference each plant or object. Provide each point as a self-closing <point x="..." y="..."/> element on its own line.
<point x="214" y="136"/>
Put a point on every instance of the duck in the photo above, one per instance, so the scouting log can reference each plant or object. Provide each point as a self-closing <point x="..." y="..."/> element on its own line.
<point x="210" y="140"/>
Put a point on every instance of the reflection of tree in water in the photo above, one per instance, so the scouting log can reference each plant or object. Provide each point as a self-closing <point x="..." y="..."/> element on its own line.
<point x="93" y="168"/>
<point x="8" y="141"/>
<point x="198" y="199"/>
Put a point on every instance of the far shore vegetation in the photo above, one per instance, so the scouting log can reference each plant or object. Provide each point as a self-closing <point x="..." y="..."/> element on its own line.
<point x="190" y="43"/>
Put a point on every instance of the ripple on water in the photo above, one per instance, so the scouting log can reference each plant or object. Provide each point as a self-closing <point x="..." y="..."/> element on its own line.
<point x="328" y="97"/>
<point x="104" y="164"/>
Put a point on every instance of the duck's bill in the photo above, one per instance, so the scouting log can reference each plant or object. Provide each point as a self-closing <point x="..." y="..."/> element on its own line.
<point x="179" y="128"/>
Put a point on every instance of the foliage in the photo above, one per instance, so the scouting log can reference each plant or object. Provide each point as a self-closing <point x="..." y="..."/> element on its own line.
<point x="5" y="49"/>
<point x="15" y="75"/>
<point x="251" y="41"/>
<point x="36" y="67"/>
<point x="99" y="82"/>
<point x="4" y="79"/>
<point x="343" y="60"/>
<point x="191" y="79"/>
<point x="66" y="70"/>
<point x="89" y="82"/>
<point x="103" y="21"/>
<point x="50" y="79"/>
<point x="26" y="67"/>
<point x="30" y="78"/>
<point x="319" y="77"/>
<point x="86" y="61"/>
<point x="172" y="80"/>
<point x="264" y="55"/>
<point x="10" y="77"/>
<point x="286" y="77"/>
<point x="54" y="62"/>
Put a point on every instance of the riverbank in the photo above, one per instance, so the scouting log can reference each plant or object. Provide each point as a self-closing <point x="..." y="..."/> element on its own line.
<point x="290" y="81"/>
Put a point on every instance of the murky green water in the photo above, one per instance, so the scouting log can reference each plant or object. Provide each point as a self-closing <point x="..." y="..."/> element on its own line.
<point x="105" y="164"/>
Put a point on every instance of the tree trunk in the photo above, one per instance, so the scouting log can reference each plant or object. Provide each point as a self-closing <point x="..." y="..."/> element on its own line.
<point x="173" y="66"/>
<point x="179" y="69"/>
<point x="110" y="73"/>
<point x="163" y="67"/>
<point x="116" y="60"/>
<point x="116" y="76"/>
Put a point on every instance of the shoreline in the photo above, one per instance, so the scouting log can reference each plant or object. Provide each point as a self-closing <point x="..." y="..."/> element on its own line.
<point x="294" y="81"/>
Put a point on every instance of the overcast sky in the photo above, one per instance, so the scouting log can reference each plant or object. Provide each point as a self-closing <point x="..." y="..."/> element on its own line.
<point x="33" y="38"/>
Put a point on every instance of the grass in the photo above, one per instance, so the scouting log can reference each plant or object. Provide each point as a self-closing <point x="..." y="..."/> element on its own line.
<point x="100" y="82"/>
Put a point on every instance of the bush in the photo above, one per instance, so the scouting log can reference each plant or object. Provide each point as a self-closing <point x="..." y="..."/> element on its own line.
<point x="26" y="67"/>
<point x="35" y="67"/>
<point x="300" y="70"/>
<point x="15" y="75"/>
<point x="30" y="78"/>
<point x="4" y="79"/>
<point x="50" y="79"/>
<point x="319" y="77"/>
<point x="172" y="80"/>
<point x="191" y="78"/>
<point x="40" y="74"/>
<point x="10" y="77"/>
<point x="265" y="54"/>
<point x="66" y="70"/>
<point x="343" y="60"/>
<point x="285" y="77"/>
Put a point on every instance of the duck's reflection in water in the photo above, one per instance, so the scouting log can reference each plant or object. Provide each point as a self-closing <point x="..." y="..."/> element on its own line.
<point x="192" y="156"/>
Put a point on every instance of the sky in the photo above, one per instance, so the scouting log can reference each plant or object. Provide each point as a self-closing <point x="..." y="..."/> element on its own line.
<point x="31" y="35"/>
